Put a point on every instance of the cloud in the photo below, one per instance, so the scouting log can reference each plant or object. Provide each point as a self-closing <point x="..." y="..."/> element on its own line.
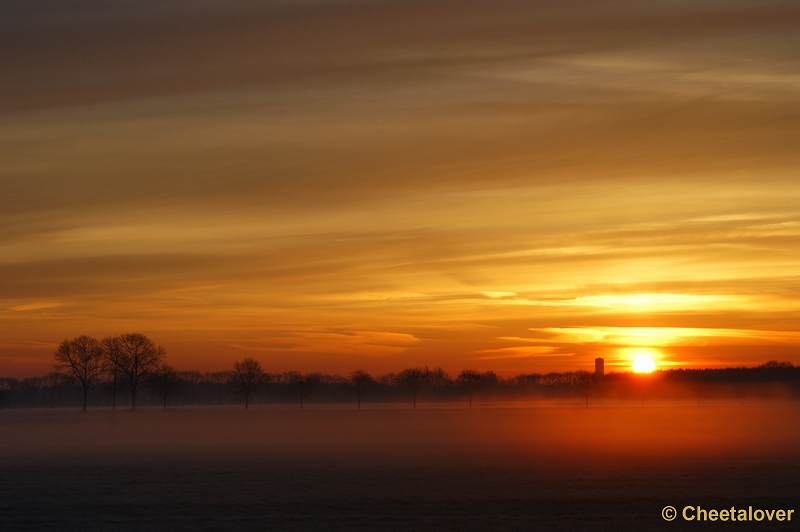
<point x="531" y="351"/>
<point x="217" y="171"/>
<point x="668" y="336"/>
<point x="34" y="306"/>
<point x="351" y="343"/>
<point x="498" y="295"/>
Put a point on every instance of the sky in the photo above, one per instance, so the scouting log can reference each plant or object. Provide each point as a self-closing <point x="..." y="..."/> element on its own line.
<point x="328" y="185"/>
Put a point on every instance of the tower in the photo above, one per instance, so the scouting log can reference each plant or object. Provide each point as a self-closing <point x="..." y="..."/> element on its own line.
<point x="599" y="367"/>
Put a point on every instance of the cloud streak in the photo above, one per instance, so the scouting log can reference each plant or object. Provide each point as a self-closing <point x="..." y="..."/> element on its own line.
<point x="217" y="173"/>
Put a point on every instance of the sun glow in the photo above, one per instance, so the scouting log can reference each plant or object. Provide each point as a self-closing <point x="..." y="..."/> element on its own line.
<point x="643" y="364"/>
<point x="642" y="358"/>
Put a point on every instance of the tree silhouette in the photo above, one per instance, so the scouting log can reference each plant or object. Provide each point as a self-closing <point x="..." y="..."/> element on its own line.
<point x="470" y="380"/>
<point x="524" y="382"/>
<point x="583" y="380"/>
<point x="436" y="377"/>
<point x="6" y="385"/>
<point x="301" y="384"/>
<point x="164" y="381"/>
<point x="83" y="358"/>
<point x="53" y="381"/>
<point x="413" y="379"/>
<point x="247" y="376"/>
<point x="774" y="364"/>
<point x="112" y="364"/>
<point x="698" y="387"/>
<point x="437" y="380"/>
<point x="360" y="381"/>
<point x="139" y="357"/>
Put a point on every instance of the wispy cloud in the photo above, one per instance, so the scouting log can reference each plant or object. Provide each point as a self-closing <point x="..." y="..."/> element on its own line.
<point x="668" y="336"/>
<point x="35" y="306"/>
<point x="505" y="353"/>
<point x="418" y="193"/>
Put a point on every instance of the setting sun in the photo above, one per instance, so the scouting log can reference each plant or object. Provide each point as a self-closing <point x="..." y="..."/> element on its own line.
<point x="643" y="364"/>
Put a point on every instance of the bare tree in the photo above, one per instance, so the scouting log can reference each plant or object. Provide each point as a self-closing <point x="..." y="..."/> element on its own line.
<point x="164" y="380"/>
<point x="413" y="379"/>
<point x="698" y="391"/>
<point x="112" y="357"/>
<point x="301" y="384"/>
<point x="524" y="382"/>
<point x="360" y="381"/>
<point x="387" y="380"/>
<point x="550" y="382"/>
<point x="52" y="382"/>
<point x="6" y="385"/>
<point x="436" y="377"/>
<point x="193" y="376"/>
<point x="83" y="358"/>
<point x="221" y="382"/>
<point x="470" y="380"/>
<point x="139" y="357"/>
<point x="247" y="376"/>
<point x="583" y="380"/>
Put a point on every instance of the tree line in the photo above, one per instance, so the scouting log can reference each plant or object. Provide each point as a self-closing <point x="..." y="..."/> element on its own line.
<point x="134" y="364"/>
<point x="132" y="360"/>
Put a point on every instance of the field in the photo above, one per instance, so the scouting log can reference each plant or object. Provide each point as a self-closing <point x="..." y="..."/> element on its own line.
<point x="510" y="467"/>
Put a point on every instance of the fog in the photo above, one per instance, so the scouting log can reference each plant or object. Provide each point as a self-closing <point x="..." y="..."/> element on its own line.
<point x="397" y="434"/>
<point x="390" y="468"/>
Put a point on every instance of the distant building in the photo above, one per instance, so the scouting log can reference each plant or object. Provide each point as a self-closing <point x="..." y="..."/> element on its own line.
<point x="599" y="367"/>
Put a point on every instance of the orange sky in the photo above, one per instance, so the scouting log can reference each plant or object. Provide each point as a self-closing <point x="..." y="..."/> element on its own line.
<point x="326" y="186"/>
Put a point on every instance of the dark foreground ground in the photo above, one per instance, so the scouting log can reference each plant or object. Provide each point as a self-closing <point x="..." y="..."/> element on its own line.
<point x="526" y="468"/>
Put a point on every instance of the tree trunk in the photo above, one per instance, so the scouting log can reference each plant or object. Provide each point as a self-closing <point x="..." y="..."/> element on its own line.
<point x="359" y="401"/>
<point x="133" y="397"/>
<point x="246" y="402"/>
<point x="165" y="401"/>
<point x="85" y="397"/>
<point x="114" y="392"/>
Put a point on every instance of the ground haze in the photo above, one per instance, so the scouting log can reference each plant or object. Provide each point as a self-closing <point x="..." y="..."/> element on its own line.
<point x="499" y="468"/>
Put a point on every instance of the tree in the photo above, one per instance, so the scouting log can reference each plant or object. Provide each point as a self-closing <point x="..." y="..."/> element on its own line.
<point x="164" y="380"/>
<point x="301" y="384"/>
<point x="583" y="380"/>
<point x="390" y="379"/>
<point x="489" y="379"/>
<point x="221" y="381"/>
<point x="83" y="358"/>
<point x="112" y="358"/>
<point x="360" y="381"/>
<point x="6" y="385"/>
<point x="413" y="379"/>
<point x="525" y="381"/>
<point x="53" y="381"/>
<point x="437" y="380"/>
<point x="247" y="376"/>
<point x="470" y="380"/>
<point x="774" y="364"/>
<point x="139" y="357"/>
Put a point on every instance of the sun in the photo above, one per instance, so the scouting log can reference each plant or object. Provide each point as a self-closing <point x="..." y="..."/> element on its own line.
<point x="642" y="357"/>
<point x="643" y="364"/>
